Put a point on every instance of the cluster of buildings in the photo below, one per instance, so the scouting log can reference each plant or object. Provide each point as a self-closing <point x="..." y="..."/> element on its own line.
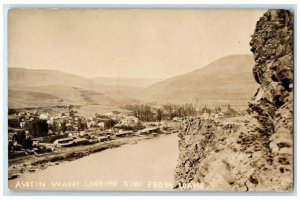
<point x="68" y="129"/>
<point x="217" y="112"/>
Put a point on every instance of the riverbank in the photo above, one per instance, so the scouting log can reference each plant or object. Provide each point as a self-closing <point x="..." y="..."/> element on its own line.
<point x="33" y="163"/>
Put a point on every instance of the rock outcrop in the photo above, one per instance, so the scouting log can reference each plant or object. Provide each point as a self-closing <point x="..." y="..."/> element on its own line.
<point x="253" y="152"/>
<point x="272" y="46"/>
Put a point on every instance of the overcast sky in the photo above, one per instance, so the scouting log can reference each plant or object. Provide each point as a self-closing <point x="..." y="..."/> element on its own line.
<point x="127" y="43"/>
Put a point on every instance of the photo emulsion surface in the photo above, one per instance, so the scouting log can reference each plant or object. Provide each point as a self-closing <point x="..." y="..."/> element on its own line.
<point x="150" y="100"/>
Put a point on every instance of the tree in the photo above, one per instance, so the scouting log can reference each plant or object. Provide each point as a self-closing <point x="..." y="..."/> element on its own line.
<point x="109" y="123"/>
<point x="14" y="122"/>
<point x="20" y="136"/>
<point x="159" y="114"/>
<point x="12" y="111"/>
<point x="63" y="127"/>
<point x="70" y="107"/>
<point x="27" y="143"/>
<point x="72" y="113"/>
<point x="37" y="127"/>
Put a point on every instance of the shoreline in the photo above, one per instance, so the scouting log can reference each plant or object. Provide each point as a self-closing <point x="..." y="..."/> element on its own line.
<point x="33" y="163"/>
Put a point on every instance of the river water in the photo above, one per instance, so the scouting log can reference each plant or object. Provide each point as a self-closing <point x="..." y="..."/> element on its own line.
<point x="146" y="166"/>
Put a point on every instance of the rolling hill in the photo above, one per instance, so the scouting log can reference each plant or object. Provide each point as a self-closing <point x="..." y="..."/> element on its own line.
<point x="21" y="77"/>
<point x="38" y="88"/>
<point x="226" y="80"/>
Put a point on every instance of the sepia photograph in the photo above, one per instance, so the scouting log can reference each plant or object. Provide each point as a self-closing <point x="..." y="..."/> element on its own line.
<point x="176" y="100"/>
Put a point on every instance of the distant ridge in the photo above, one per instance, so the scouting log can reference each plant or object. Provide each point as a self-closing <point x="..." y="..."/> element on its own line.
<point x="21" y="77"/>
<point x="127" y="82"/>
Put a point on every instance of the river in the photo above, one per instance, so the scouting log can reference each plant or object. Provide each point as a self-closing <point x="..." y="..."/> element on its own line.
<point x="146" y="166"/>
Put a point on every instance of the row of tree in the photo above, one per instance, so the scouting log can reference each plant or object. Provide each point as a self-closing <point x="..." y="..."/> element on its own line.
<point x="143" y="112"/>
<point x="168" y="111"/>
<point x="174" y="110"/>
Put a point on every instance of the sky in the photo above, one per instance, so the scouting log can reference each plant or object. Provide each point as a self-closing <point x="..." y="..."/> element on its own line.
<point x="143" y="43"/>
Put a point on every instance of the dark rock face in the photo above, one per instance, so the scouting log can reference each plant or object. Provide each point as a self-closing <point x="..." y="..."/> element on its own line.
<point x="272" y="46"/>
<point x="193" y="147"/>
<point x="253" y="152"/>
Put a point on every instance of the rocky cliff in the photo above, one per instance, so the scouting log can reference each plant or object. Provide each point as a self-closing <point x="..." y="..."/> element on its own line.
<point x="252" y="152"/>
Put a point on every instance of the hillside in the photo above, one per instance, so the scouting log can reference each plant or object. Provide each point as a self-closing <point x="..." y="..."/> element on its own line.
<point x="38" y="88"/>
<point x="21" y="77"/>
<point x="125" y="82"/>
<point x="53" y="95"/>
<point x="226" y="80"/>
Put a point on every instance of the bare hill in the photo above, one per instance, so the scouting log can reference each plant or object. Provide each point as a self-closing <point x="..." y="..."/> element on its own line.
<point x="53" y="95"/>
<point x="21" y="77"/>
<point x="226" y="80"/>
<point x="36" y="88"/>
